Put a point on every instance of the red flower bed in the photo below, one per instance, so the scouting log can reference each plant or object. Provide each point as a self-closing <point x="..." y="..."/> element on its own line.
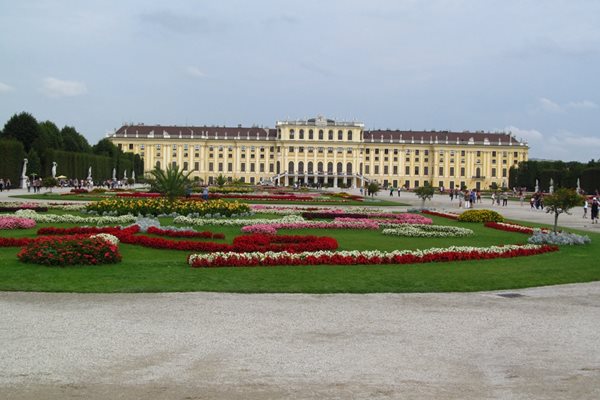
<point x="438" y="214"/>
<point x="239" y="260"/>
<point x="138" y="194"/>
<point x="78" y="191"/>
<point x="244" y="243"/>
<point x="58" y="250"/>
<point x="241" y="244"/>
<point x="89" y="230"/>
<point x="287" y="197"/>
<point x="14" y="242"/>
<point x="185" y="234"/>
<point x="509" y="227"/>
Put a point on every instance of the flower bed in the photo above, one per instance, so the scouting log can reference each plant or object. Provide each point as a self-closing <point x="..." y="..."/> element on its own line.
<point x="74" y="219"/>
<point x="286" y="197"/>
<point x="14" y="242"/>
<point x="184" y="234"/>
<point x="558" y="238"/>
<point x="8" y="222"/>
<point x="441" y="214"/>
<point x="271" y="228"/>
<point x="404" y="218"/>
<point x="69" y="251"/>
<point x="427" y="231"/>
<point x="480" y="216"/>
<point x="231" y="259"/>
<point x="244" y="243"/>
<point x="504" y="226"/>
<point x="162" y="206"/>
<point x="15" y="206"/>
<point x="234" y="222"/>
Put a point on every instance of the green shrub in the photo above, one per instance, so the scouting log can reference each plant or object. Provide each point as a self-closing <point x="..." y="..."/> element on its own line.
<point x="480" y="216"/>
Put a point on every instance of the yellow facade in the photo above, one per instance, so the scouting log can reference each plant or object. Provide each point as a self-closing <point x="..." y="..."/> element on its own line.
<point x="324" y="152"/>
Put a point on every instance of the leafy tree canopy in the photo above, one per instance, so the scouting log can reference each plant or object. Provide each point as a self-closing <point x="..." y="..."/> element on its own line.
<point x="561" y="201"/>
<point x="22" y="127"/>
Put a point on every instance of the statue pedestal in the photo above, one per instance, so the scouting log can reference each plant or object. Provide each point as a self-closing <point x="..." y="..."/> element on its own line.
<point x="23" y="183"/>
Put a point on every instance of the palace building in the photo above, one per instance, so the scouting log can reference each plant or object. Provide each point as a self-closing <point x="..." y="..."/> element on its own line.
<point x="327" y="152"/>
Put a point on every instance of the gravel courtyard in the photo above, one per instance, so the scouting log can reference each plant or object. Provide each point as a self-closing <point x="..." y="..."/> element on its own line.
<point x="540" y="345"/>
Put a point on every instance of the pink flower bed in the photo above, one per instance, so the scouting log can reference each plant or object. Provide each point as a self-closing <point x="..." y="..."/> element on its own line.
<point x="9" y="222"/>
<point x="441" y="214"/>
<point x="272" y="228"/>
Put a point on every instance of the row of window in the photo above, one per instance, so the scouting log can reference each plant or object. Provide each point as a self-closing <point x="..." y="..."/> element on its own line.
<point x="320" y="135"/>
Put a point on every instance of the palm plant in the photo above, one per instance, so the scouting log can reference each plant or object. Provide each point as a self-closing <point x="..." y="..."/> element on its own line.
<point x="171" y="183"/>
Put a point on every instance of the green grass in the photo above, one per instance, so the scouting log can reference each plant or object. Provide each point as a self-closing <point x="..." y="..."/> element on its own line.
<point x="150" y="270"/>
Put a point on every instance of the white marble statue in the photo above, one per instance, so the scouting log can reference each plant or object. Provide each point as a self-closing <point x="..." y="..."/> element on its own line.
<point x="24" y="173"/>
<point x="54" y="169"/>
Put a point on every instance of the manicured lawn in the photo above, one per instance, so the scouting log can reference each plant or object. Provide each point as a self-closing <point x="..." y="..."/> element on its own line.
<point x="151" y="270"/>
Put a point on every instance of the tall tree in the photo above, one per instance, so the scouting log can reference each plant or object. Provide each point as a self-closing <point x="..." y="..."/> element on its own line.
<point x="74" y="141"/>
<point x="22" y="127"/>
<point x="51" y="135"/>
<point x="35" y="164"/>
<point x="105" y="148"/>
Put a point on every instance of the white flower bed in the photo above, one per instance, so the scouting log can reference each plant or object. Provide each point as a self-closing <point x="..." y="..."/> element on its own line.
<point x="74" y="219"/>
<point x="107" y="237"/>
<point x="236" y="221"/>
<point x="414" y="230"/>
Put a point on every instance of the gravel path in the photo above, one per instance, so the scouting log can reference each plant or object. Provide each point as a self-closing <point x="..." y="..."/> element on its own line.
<point x="542" y="345"/>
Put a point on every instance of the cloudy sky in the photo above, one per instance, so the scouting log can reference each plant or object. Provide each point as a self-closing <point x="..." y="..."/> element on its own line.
<point x="531" y="67"/>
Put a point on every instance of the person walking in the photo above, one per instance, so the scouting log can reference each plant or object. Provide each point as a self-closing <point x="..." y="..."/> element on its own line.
<point x="585" y="208"/>
<point x="594" y="210"/>
<point x="493" y="198"/>
<point x="467" y="199"/>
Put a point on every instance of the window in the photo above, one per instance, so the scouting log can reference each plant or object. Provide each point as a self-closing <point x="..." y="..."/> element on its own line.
<point x="395" y="170"/>
<point x="426" y="152"/>
<point x="320" y="134"/>
<point x="262" y="167"/>
<point x="142" y="147"/>
<point x="252" y="167"/>
<point x="417" y="170"/>
<point x="349" y="135"/>
<point x="330" y="135"/>
<point x="271" y="167"/>
<point x="291" y="149"/>
<point x="220" y="167"/>
<point x="515" y="154"/>
<point x="340" y="135"/>
<point x="366" y="169"/>
<point x="493" y="172"/>
<point x="377" y="170"/>
<point x="210" y="166"/>
<point x="291" y="134"/>
<point x="310" y="134"/>
<point x="230" y="167"/>
<point x="462" y="153"/>
<point x="185" y="165"/>
<point x="407" y="170"/>
<point x="416" y="152"/>
<point x="174" y="147"/>
<point x="301" y="134"/>
<point x="130" y="146"/>
<point x="385" y="170"/>
<point x="158" y="147"/>
<point x="441" y="171"/>
<point x="493" y="154"/>
<point x="196" y="166"/>
<point x="425" y="170"/>
<point x="300" y="149"/>
<point x="243" y="167"/>
<point x="479" y="154"/>
<point x="504" y="172"/>
<point x="462" y="171"/>
<point x="451" y="171"/>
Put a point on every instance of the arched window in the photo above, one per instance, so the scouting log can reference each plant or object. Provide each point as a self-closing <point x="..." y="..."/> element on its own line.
<point x="320" y="134"/>
<point x="301" y="167"/>
<point x="320" y="167"/>
<point x="301" y="134"/>
<point x="478" y="172"/>
<point x="310" y="167"/>
<point x="291" y="133"/>
<point x="360" y="169"/>
<point x="340" y="168"/>
<point x="349" y="135"/>
<point x="330" y="167"/>
<point x="340" y="135"/>
<point x="310" y="134"/>
<point x="185" y="165"/>
<point x="291" y="167"/>
<point x="330" y="135"/>
<point x="349" y="168"/>
<point x="158" y="164"/>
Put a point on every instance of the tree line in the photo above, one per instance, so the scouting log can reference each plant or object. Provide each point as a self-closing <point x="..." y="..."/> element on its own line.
<point x="563" y="174"/>
<point x="43" y="143"/>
